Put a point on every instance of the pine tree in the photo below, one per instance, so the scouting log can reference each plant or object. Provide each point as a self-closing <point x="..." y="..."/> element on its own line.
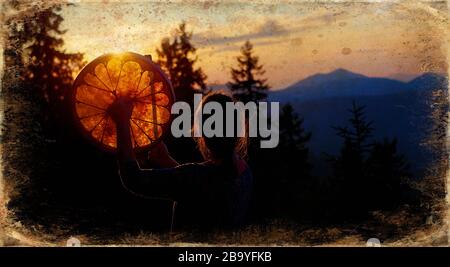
<point x="292" y="157"/>
<point x="22" y="134"/>
<point x="284" y="181"/>
<point x="349" y="166"/>
<point x="177" y="58"/>
<point x="49" y="69"/>
<point x="245" y="84"/>
<point x="387" y="170"/>
<point x="358" y="136"/>
<point x="14" y="42"/>
<point x="368" y="175"/>
<point x="37" y="75"/>
<point x="293" y="138"/>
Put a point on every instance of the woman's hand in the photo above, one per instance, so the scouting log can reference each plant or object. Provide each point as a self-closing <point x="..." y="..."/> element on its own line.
<point x="121" y="110"/>
<point x="160" y="156"/>
<point x="159" y="151"/>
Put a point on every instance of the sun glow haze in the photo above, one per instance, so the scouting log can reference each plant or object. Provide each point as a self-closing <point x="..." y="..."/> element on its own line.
<point x="293" y="40"/>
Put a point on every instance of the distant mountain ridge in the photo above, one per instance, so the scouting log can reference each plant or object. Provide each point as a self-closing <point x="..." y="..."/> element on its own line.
<point x="341" y="82"/>
<point x="428" y="81"/>
<point x="398" y="109"/>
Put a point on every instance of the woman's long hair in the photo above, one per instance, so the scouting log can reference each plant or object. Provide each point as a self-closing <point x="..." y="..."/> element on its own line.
<point x="221" y="148"/>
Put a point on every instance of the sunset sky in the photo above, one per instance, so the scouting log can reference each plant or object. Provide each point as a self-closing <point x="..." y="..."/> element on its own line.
<point x="293" y="40"/>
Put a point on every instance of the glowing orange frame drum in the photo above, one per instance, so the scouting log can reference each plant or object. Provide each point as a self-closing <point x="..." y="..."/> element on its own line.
<point x="127" y="74"/>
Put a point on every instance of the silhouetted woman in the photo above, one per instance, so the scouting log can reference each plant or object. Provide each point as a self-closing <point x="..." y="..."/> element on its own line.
<point x="217" y="191"/>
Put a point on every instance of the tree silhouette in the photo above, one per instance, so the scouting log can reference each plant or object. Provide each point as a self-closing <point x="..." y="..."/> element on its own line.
<point x="177" y="58"/>
<point x="22" y="134"/>
<point x="37" y="75"/>
<point x="356" y="144"/>
<point x="245" y="85"/>
<point x="358" y="135"/>
<point x="297" y="185"/>
<point x="349" y="165"/>
<point x="37" y="72"/>
<point x="283" y="173"/>
<point x="293" y="140"/>
<point x="386" y="172"/>
<point x="15" y="41"/>
<point x="368" y="175"/>
<point x="49" y="69"/>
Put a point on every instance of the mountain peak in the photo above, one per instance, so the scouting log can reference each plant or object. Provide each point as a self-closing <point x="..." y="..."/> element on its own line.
<point x="335" y="75"/>
<point x="341" y="83"/>
<point x="431" y="75"/>
<point x="429" y="80"/>
<point x="340" y="70"/>
<point x="343" y="73"/>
